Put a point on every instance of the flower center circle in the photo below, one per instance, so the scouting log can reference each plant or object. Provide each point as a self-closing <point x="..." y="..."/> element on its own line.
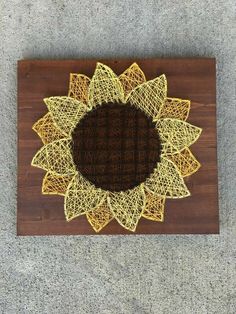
<point x="116" y="146"/>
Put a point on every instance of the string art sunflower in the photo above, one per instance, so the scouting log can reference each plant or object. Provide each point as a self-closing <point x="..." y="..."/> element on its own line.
<point x="116" y="147"/>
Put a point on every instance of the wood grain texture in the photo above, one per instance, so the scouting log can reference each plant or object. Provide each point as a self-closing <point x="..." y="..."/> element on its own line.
<point x="193" y="79"/>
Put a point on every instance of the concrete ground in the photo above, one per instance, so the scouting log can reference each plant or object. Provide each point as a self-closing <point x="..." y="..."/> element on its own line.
<point x="118" y="274"/>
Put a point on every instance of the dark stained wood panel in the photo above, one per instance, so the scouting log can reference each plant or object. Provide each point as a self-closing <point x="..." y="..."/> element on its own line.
<point x="193" y="79"/>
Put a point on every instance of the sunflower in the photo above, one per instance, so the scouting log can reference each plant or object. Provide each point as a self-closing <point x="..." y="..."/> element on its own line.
<point x="72" y="134"/>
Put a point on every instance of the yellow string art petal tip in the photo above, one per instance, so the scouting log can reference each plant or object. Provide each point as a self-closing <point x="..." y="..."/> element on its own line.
<point x="47" y="130"/>
<point x="79" y="87"/>
<point x="131" y="78"/>
<point x="66" y="112"/>
<point x="127" y="207"/>
<point x="81" y="197"/>
<point x="99" y="217"/>
<point x="166" y="181"/>
<point x="55" y="184"/>
<point x="185" y="162"/>
<point x="105" y="87"/>
<point x="55" y="157"/>
<point x="150" y="96"/>
<point x="176" y="135"/>
<point x="154" y="207"/>
<point x="175" y="108"/>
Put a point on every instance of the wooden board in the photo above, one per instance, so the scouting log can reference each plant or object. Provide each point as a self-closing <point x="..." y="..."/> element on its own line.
<point x="192" y="79"/>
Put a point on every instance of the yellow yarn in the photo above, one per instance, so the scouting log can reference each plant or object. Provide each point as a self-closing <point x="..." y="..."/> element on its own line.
<point x="175" y="108"/>
<point x="150" y="96"/>
<point x="99" y="217"/>
<point x="55" y="157"/>
<point x="176" y="135"/>
<point x="185" y="161"/>
<point x="47" y="130"/>
<point x="104" y="87"/>
<point x="66" y="112"/>
<point x="154" y="207"/>
<point x="82" y="197"/>
<point x="166" y="181"/>
<point x="131" y="78"/>
<point x="55" y="184"/>
<point x="127" y="207"/>
<point x="79" y="87"/>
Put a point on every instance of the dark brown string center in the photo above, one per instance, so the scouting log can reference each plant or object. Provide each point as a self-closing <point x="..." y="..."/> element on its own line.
<point x="116" y="146"/>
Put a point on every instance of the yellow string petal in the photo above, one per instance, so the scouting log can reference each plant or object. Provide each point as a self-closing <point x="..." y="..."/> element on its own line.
<point x="79" y="87"/>
<point x="131" y="78"/>
<point x="99" y="217"/>
<point x="175" y="135"/>
<point x="47" y="130"/>
<point x="167" y="181"/>
<point x="154" y="208"/>
<point x="55" y="184"/>
<point x="175" y="108"/>
<point x="55" y="157"/>
<point x="66" y="112"/>
<point x="81" y="197"/>
<point x="150" y="96"/>
<point x="104" y="87"/>
<point x="185" y="161"/>
<point x="127" y="207"/>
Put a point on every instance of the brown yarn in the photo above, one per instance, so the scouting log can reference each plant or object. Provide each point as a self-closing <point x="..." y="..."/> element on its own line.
<point x="116" y="146"/>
